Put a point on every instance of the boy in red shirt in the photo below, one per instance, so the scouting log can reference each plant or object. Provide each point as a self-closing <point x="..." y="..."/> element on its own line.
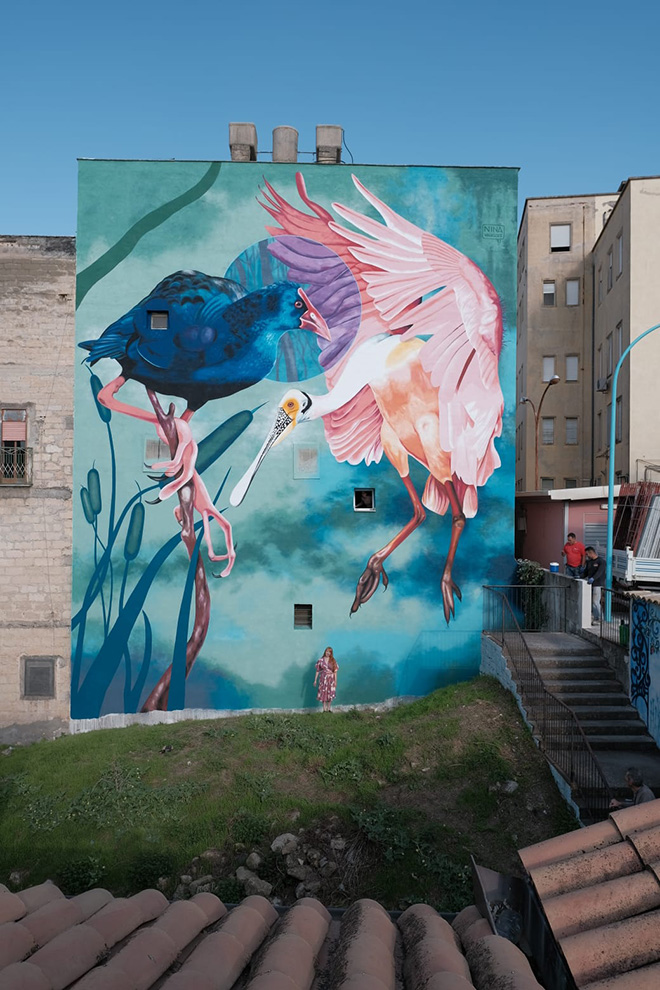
<point x="574" y="553"/>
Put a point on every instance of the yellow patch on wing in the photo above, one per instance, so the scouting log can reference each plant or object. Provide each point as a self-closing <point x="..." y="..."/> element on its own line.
<point x="406" y="350"/>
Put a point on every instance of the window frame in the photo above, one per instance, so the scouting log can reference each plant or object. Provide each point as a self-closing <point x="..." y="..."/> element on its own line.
<point x="576" y="282"/>
<point x="547" y="295"/>
<point x="15" y="454"/>
<point x="567" y="420"/>
<point x="561" y="248"/>
<point x="544" y="421"/>
<point x="610" y="268"/>
<point x="544" y="375"/>
<point x="576" y="358"/>
<point x="619" y="254"/>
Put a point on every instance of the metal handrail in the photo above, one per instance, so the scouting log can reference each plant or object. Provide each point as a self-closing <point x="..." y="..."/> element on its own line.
<point x="560" y="735"/>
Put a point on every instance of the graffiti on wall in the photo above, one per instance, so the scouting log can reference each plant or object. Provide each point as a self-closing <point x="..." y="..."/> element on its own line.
<point x="400" y="332"/>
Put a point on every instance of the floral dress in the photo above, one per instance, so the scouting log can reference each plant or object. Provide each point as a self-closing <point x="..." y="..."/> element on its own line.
<point x="326" y="689"/>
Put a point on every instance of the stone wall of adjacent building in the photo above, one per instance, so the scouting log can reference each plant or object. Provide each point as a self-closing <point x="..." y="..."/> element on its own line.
<point x="37" y="297"/>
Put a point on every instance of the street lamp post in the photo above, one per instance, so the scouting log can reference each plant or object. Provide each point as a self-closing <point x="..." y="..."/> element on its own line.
<point x="537" y="419"/>
<point x="610" y="473"/>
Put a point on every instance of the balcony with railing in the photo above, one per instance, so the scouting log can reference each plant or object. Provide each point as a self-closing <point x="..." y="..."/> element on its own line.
<point x="15" y="465"/>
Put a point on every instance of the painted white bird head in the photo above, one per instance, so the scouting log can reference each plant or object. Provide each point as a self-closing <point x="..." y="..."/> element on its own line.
<point x="295" y="407"/>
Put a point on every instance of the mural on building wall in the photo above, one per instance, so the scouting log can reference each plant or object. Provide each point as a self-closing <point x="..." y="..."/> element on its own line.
<point x="645" y="662"/>
<point x="390" y="336"/>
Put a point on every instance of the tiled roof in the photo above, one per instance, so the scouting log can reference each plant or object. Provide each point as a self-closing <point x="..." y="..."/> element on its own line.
<point x="600" y="889"/>
<point x="98" y="942"/>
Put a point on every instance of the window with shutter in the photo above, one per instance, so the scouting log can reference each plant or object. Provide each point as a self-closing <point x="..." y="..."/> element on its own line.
<point x="560" y="237"/>
<point x="548" y="429"/>
<point x="571" y="429"/>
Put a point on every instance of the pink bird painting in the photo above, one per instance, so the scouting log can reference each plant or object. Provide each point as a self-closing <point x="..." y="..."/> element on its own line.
<point x="419" y="378"/>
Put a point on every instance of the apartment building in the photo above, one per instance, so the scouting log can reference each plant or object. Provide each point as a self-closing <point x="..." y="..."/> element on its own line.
<point x="626" y="264"/>
<point x="555" y="339"/>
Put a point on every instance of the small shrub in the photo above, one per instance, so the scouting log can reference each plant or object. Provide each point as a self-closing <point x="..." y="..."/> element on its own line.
<point x="343" y="771"/>
<point x="81" y="874"/>
<point x="248" y="828"/>
<point x="229" y="890"/>
<point x="385" y="828"/>
<point x="146" y="870"/>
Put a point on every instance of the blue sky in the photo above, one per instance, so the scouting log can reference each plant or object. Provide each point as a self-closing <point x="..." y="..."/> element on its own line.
<point x="569" y="92"/>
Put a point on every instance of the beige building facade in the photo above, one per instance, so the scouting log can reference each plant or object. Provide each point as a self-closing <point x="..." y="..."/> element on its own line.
<point x="555" y="339"/>
<point x="37" y="299"/>
<point x="626" y="264"/>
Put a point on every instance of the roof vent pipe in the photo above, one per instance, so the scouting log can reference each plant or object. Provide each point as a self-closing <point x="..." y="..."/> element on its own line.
<point x="328" y="144"/>
<point x="285" y="144"/>
<point x="243" y="142"/>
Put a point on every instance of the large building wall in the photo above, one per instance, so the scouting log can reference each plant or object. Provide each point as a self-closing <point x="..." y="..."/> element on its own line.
<point x="36" y="373"/>
<point x="299" y="540"/>
<point x="557" y="331"/>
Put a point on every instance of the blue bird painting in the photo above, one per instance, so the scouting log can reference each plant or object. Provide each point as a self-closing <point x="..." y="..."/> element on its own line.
<point x="199" y="337"/>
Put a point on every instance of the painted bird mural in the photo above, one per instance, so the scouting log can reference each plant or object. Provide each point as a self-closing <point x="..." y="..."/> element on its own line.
<point x="419" y="378"/>
<point x="199" y="337"/>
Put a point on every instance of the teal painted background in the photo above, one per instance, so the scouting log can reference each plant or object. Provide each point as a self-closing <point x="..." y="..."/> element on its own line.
<point x="297" y="540"/>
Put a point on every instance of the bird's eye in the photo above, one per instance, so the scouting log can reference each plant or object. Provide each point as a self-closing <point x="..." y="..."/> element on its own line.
<point x="291" y="404"/>
<point x="298" y="304"/>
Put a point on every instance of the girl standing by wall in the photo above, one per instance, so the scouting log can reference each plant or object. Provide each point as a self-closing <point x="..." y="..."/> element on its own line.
<point x="326" y="674"/>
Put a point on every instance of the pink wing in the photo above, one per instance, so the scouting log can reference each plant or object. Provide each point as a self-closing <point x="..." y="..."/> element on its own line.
<point x="414" y="284"/>
<point x="422" y="286"/>
<point x="352" y="432"/>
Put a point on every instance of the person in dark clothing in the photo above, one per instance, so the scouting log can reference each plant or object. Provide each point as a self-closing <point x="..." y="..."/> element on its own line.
<point x="641" y="792"/>
<point x="594" y="574"/>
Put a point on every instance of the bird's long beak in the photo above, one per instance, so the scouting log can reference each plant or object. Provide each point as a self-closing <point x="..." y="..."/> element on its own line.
<point x="312" y="319"/>
<point x="283" y="424"/>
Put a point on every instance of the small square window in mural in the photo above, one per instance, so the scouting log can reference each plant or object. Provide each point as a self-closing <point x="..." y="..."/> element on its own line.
<point x="158" y="321"/>
<point x="155" y="450"/>
<point x="302" y="616"/>
<point x="305" y="460"/>
<point x="364" y="500"/>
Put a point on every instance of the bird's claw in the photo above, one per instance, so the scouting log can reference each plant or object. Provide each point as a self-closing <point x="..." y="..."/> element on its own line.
<point x="368" y="582"/>
<point x="449" y="589"/>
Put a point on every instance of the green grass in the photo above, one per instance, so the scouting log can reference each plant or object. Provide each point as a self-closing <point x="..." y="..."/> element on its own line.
<point x="412" y="791"/>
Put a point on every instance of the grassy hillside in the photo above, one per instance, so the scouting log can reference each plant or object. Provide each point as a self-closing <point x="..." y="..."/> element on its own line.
<point x="396" y="801"/>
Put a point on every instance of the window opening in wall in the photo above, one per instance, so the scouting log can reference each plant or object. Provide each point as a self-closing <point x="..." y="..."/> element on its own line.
<point x="618" y="420"/>
<point x="572" y="367"/>
<point x="14" y="453"/>
<point x="618" y="333"/>
<point x="547" y="429"/>
<point x="560" y="237"/>
<point x="570" y="482"/>
<point x="600" y="361"/>
<point x="548" y="368"/>
<point x="619" y="254"/>
<point x="572" y="291"/>
<point x="155" y="450"/>
<point x="571" y="430"/>
<point x="548" y="293"/>
<point x="306" y="460"/>
<point x="600" y="285"/>
<point x="38" y="677"/>
<point x="302" y="616"/>
<point x="610" y="354"/>
<point x="547" y="484"/>
<point x="158" y="320"/>
<point x="610" y="269"/>
<point x="364" y="500"/>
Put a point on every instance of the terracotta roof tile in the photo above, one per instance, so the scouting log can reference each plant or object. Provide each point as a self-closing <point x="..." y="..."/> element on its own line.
<point x="23" y="976"/>
<point x="448" y="981"/>
<point x="603" y="903"/>
<point x="647" y="844"/>
<point x="642" y="816"/>
<point x="97" y="942"/>
<point x="585" y="870"/>
<point x="36" y="897"/>
<point x="581" y="840"/>
<point x="16" y="943"/>
<point x="497" y="964"/>
<point x="646" y="978"/>
<point x="11" y="907"/>
<point x="69" y="956"/>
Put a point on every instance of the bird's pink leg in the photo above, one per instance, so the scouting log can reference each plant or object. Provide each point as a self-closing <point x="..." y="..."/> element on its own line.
<point x="449" y="587"/>
<point x="107" y="398"/>
<point x="202" y="502"/>
<point x="370" y="577"/>
<point x="183" y="461"/>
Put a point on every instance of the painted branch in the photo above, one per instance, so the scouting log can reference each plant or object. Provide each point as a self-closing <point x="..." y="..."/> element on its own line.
<point x="157" y="700"/>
